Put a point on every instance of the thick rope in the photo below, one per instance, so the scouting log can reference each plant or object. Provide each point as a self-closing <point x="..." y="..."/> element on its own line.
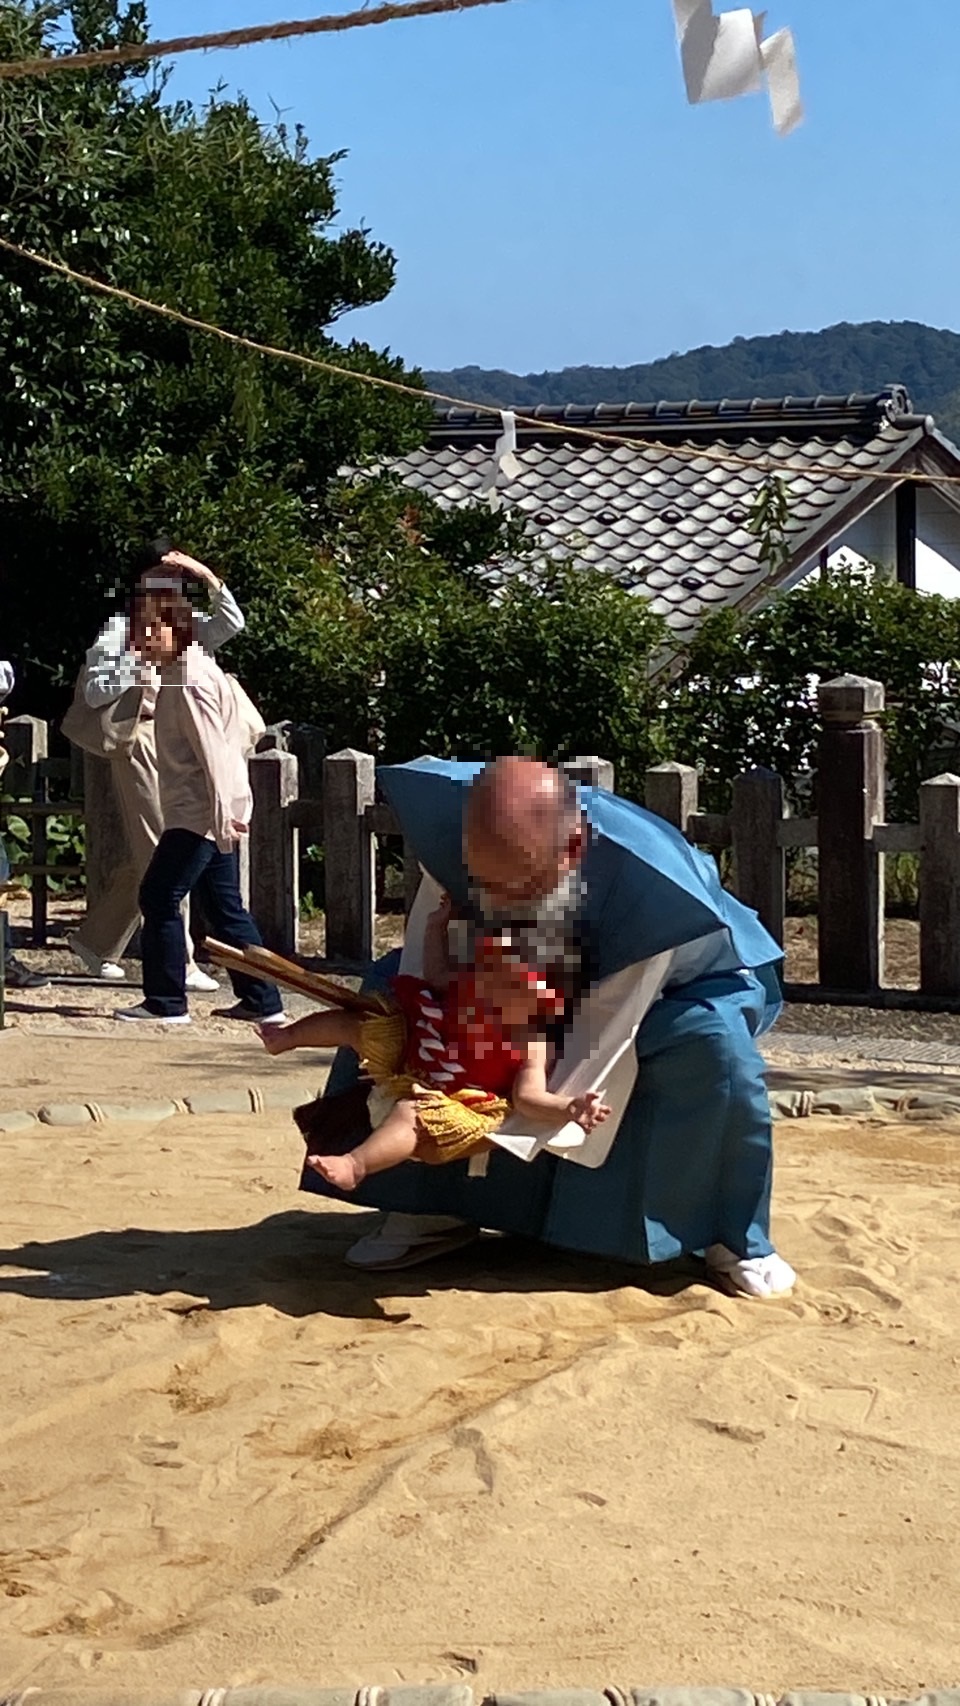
<point x="132" y="53"/>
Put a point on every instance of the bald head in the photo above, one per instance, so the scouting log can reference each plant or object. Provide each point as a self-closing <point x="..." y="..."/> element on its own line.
<point x="523" y="830"/>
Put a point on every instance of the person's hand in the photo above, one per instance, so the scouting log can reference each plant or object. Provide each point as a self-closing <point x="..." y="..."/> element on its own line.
<point x="191" y="566"/>
<point x="588" y="1111"/>
<point x="274" y="1038"/>
<point x="442" y="911"/>
<point x="239" y="829"/>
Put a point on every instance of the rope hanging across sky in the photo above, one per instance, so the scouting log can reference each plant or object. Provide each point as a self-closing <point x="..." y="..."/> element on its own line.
<point x="723" y="55"/>
<point x="132" y="52"/>
<point x="693" y="453"/>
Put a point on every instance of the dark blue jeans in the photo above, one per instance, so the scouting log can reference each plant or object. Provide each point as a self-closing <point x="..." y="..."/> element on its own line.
<point x="184" y="862"/>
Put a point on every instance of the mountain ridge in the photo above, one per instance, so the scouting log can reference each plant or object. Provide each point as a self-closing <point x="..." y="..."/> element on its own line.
<point x="851" y="356"/>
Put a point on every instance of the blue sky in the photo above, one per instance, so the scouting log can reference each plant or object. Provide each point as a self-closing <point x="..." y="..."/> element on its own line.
<point x="552" y="200"/>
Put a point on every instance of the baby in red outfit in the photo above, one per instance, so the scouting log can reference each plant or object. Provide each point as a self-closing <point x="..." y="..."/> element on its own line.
<point x="457" y="1051"/>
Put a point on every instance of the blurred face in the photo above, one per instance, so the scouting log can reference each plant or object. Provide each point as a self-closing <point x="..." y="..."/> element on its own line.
<point x="509" y="991"/>
<point x="156" y="643"/>
<point x="512" y="1002"/>
<point x="161" y="627"/>
<point x="510" y="878"/>
<point x="163" y="576"/>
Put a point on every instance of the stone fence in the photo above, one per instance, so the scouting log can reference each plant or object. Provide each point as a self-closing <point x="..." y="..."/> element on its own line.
<point x="450" y="1694"/>
<point x="330" y="801"/>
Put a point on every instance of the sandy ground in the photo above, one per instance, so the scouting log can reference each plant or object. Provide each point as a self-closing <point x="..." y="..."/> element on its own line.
<point x="66" y="1063"/>
<point x="901" y="957"/>
<point x="226" y="1459"/>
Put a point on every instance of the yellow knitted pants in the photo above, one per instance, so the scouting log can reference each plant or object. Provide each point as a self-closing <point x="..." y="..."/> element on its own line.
<point x="457" y="1124"/>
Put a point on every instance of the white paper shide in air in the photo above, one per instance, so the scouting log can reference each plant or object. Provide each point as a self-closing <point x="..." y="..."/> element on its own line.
<point x="725" y="54"/>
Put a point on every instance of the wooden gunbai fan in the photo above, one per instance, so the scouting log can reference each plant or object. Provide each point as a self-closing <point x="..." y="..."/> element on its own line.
<point x="260" y="962"/>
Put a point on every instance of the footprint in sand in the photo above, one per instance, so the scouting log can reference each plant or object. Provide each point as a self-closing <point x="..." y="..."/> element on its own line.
<point x="853" y="1279"/>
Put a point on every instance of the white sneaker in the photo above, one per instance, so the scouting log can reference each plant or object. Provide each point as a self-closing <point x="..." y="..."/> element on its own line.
<point x="200" y="982"/>
<point x="105" y="969"/>
<point x="142" y="1011"/>
<point x="750" y="1276"/>
<point x="405" y="1240"/>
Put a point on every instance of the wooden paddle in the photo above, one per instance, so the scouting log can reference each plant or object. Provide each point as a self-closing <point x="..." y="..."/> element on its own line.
<point x="260" y="962"/>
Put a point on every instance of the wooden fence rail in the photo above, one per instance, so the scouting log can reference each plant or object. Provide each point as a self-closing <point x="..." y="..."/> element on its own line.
<point x="341" y="814"/>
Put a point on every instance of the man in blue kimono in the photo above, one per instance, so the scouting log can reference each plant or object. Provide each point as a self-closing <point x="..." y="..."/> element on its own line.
<point x="610" y="887"/>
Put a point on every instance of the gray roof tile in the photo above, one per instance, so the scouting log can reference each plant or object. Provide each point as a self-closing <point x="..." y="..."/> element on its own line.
<point x="659" y="510"/>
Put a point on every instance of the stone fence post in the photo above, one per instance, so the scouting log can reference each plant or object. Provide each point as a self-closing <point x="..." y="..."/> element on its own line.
<point x="26" y="740"/>
<point x="309" y="746"/>
<point x="940" y="886"/>
<point x="349" y="854"/>
<point x="590" y="772"/>
<point x="274" y="850"/>
<point x="759" y="864"/>
<point x="850" y="792"/>
<point x="672" y="792"/>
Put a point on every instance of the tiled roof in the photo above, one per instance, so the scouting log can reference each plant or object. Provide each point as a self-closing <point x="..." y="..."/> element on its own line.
<point x="658" y="513"/>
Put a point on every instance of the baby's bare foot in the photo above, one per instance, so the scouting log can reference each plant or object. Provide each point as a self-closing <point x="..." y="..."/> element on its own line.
<point x="273" y="1038"/>
<point x="344" y="1171"/>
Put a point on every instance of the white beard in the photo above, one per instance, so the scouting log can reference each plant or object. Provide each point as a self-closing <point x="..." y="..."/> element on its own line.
<point x="544" y="927"/>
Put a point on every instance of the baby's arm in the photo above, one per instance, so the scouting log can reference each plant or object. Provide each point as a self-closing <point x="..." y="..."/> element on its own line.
<point x="534" y="1101"/>
<point x="436" y="949"/>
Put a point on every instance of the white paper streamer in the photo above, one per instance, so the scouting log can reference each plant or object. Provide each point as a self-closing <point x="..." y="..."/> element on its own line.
<point x="504" y="458"/>
<point x="779" y="57"/>
<point x="725" y="55"/>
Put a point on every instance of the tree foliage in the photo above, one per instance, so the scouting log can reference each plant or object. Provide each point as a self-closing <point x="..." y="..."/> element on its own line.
<point x="748" y="692"/>
<point x="404" y="645"/>
<point x="369" y="610"/>
<point x="116" y="424"/>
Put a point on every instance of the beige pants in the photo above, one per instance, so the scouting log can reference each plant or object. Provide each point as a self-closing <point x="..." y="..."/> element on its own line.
<point x="107" y="929"/>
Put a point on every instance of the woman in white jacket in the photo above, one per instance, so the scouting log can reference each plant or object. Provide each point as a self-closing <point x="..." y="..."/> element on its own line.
<point x="206" y="804"/>
<point x="111" y="669"/>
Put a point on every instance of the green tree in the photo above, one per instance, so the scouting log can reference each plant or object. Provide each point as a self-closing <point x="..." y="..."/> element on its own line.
<point x="415" y="640"/>
<point x="748" y="692"/>
<point x="369" y="610"/>
<point x="116" y="424"/>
